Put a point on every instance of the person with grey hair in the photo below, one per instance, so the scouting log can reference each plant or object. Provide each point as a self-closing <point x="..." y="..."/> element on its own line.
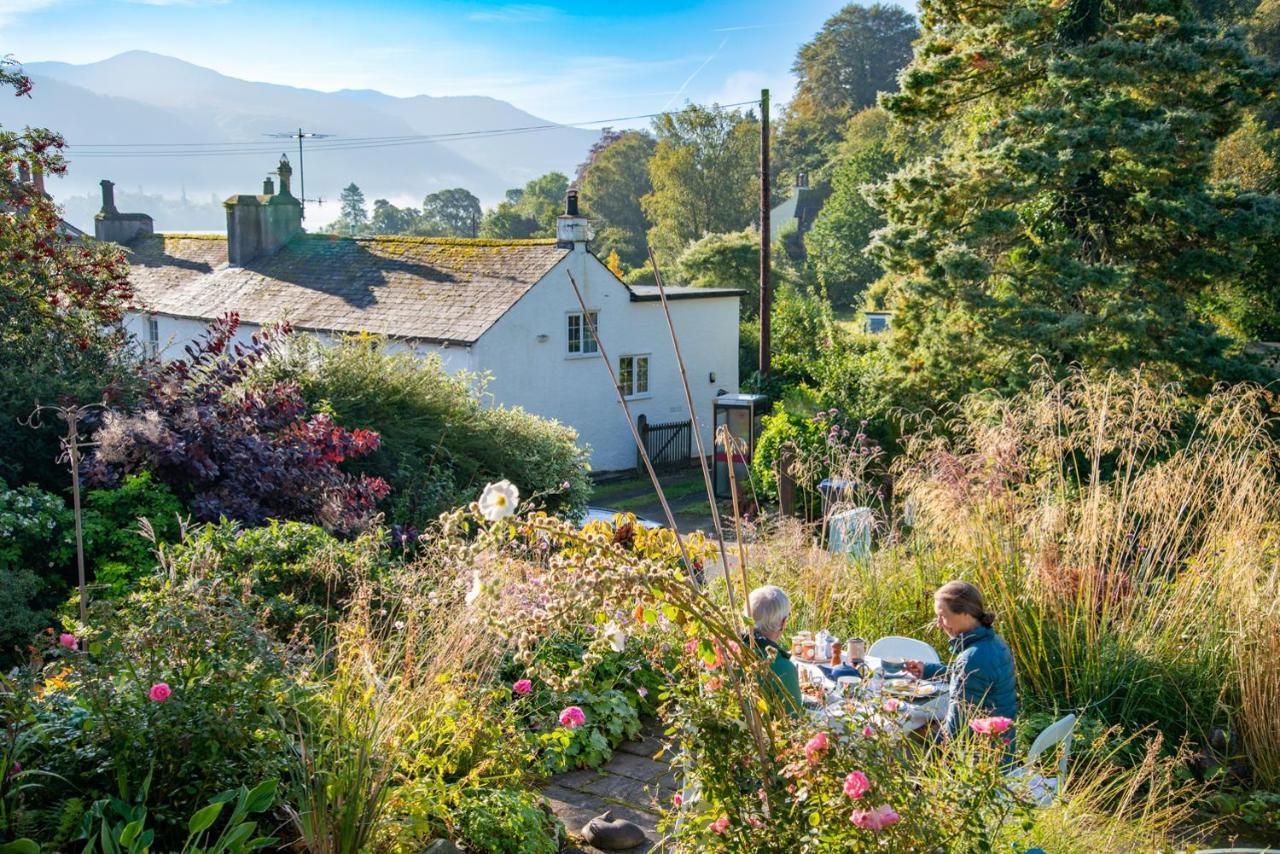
<point x="769" y="608"/>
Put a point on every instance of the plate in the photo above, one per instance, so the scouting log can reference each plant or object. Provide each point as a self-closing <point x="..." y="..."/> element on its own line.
<point x="898" y="684"/>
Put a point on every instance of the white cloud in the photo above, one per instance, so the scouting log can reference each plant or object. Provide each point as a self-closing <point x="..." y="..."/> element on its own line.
<point x="11" y="10"/>
<point x="516" y="13"/>
<point x="745" y="85"/>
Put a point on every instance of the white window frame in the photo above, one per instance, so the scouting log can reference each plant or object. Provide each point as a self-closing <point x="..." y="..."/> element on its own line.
<point x="583" y="334"/>
<point x="629" y="376"/>
<point x="153" y="335"/>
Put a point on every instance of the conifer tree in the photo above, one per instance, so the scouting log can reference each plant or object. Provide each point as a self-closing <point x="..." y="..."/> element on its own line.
<point x="1069" y="213"/>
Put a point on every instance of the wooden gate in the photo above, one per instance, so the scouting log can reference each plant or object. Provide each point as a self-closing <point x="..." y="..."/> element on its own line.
<point x="668" y="445"/>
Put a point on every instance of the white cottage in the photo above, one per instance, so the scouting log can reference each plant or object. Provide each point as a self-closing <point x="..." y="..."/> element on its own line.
<point x="501" y="307"/>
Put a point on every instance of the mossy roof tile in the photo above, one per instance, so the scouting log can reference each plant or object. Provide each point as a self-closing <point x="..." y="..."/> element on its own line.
<point x="435" y="289"/>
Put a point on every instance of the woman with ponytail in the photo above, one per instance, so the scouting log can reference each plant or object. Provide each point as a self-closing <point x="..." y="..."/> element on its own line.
<point x="982" y="676"/>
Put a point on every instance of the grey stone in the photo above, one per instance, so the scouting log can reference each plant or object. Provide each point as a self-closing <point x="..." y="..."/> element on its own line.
<point x="635" y="767"/>
<point x="612" y="834"/>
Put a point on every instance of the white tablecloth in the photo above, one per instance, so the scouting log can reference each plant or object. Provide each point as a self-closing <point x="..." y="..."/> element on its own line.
<point x="912" y="714"/>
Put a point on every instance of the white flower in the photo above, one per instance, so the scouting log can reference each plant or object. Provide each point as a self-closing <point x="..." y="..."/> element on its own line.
<point x="499" y="500"/>
<point x="477" y="587"/>
<point x="617" y="637"/>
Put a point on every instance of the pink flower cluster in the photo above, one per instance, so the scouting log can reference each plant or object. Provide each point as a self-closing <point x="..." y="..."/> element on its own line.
<point x="721" y="824"/>
<point x="876" y="819"/>
<point x="815" y="747"/>
<point x="68" y="641"/>
<point x="990" y="726"/>
<point x="856" y="785"/>
<point x="572" y="717"/>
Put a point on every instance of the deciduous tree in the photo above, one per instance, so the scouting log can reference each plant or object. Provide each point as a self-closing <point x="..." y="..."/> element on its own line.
<point x="451" y="213"/>
<point x="613" y="184"/>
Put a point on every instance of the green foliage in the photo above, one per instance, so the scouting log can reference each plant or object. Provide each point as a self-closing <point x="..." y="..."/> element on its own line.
<point x="389" y="219"/>
<point x="112" y="826"/>
<point x="784" y="427"/>
<point x="611" y="720"/>
<point x="837" y="242"/>
<point x="508" y="821"/>
<point x="855" y="56"/>
<point x="732" y="261"/>
<point x="114" y="543"/>
<point x="452" y="213"/>
<point x="37" y="549"/>
<point x="298" y="573"/>
<point x="1069" y="215"/>
<point x="439" y="446"/>
<point x="705" y="177"/>
<point x="614" y="182"/>
<point x="222" y="724"/>
<point x="353" y="219"/>
<point x="802" y="332"/>
<point x="530" y="212"/>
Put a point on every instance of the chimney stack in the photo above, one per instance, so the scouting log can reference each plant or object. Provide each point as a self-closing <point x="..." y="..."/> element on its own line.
<point x="37" y="178"/>
<point x="111" y="225"/>
<point x="802" y="181"/>
<point x="572" y="229"/>
<point x="259" y="225"/>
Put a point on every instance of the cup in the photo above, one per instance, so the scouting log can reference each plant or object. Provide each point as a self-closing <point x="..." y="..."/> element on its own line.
<point x="856" y="649"/>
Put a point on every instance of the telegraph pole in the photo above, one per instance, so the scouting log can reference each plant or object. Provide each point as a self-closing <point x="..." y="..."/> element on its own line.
<point x="766" y="300"/>
<point x="302" y="174"/>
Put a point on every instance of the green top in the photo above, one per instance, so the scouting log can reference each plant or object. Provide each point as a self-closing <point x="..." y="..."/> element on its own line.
<point x="785" y="669"/>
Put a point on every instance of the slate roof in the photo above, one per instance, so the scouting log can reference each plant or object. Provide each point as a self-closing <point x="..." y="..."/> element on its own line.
<point x="650" y="293"/>
<point x="427" y="288"/>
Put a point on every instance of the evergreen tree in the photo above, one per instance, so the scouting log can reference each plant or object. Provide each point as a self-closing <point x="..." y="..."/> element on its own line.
<point x="353" y="217"/>
<point x="1070" y="214"/>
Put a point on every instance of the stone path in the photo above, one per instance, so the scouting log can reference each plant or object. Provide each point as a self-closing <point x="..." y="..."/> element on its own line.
<point x="633" y="784"/>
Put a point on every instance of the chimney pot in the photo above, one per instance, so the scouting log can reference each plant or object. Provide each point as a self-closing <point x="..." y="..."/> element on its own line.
<point x="24" y="173"/>
<point x="268" y="188"/>
<point x="571" y="203"/>
<point x="108" y="196"/>
<point x="802" y="181"/>
<point x="285" y="171"/>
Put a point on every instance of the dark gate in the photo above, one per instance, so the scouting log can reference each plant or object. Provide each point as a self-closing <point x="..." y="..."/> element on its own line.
<point x="668" y="445"/>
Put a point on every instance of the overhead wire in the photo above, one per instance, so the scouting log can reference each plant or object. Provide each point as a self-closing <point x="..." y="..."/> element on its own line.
<point x="257" y="147"/>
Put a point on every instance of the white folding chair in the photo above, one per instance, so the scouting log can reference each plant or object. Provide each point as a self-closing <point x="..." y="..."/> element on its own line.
<point x="905" y="648"/>
<point x="1044" y="789"/>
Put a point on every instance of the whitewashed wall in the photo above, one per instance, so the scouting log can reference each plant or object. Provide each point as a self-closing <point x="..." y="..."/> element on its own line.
<point x="543" y="378"/>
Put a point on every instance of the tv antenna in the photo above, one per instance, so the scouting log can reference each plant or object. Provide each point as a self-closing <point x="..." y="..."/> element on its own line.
<point x="299" y="135"/>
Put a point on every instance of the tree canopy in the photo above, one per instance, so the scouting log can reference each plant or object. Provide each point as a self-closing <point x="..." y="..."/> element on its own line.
<point x="704" y="172"/>
<point x="1070" y="215"/>
<point x="614" y="182"/>
<point x="451" y="213"/>
<point x="530" y="211"/>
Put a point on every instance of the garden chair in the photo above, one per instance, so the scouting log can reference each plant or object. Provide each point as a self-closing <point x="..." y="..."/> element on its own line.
<point x="1044" y="789"/>
<point x="894" y="646"/>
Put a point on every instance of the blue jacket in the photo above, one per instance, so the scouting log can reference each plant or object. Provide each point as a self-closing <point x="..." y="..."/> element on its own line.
<point x="982" y="677"/>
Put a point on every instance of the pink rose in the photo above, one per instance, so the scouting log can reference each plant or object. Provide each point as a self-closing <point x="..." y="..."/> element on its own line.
<point x="814" y="747"/>
<point x="677" y="799"/>
<point x="642" y="691"/>
<point x="572" y="717"/>
<point x="876" y="819"/>
<point x="69" y="641"/>
<point x="159" y="692"/>
<point x="867" y="732"/>
<point x="721" y="824"/>
<point x="522" y="687"/>
<point x="892" y="704"/>
<point x="856" y="785"/>
<point x="990" y="726"/>
<point x="754" y="822"/>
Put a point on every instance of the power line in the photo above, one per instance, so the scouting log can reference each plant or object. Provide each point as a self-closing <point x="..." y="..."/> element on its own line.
<point x="302" y="173"/>
<point x="257" y="147"/>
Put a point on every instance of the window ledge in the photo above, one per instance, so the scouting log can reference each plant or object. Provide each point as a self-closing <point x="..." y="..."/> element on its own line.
<point x="577" y="356"/>
<point x="644" y="396"/>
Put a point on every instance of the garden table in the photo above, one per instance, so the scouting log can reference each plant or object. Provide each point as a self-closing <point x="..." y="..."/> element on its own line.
<point x="914" y="714"/>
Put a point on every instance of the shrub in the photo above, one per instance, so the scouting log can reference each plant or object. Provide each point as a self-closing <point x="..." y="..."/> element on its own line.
<point x="508" y="821"/>
<point x="114" y="542"/>
<point x="106" y="726"/>
<point x="439" y="445"/>
<point x="298" y="573"/>
<point x="36" y="551"/>
<point x="234" y="451"/>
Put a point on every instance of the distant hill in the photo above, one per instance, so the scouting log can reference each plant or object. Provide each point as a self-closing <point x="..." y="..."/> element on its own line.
<point x="140" y="97"/>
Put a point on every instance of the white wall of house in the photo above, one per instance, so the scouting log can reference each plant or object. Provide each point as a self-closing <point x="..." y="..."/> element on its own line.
<point x="544" y="377"/>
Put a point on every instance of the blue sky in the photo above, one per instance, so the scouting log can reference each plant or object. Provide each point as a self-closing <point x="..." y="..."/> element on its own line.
<point x="560" y="60"/>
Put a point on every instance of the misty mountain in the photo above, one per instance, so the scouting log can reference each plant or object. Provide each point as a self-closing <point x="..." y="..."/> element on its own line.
<point x="139" y="97"/>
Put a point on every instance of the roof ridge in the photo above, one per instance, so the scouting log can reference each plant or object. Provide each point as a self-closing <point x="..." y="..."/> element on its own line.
<point x="185" y="235"/>
<point x="443" y="241"/>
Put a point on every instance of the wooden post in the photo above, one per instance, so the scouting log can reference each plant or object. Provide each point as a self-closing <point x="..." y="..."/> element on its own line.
<point x="787" y="480"/>
<point x="73" y="451"/>
<point x="766" y="301"/>
<point x="643" y="424"/>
